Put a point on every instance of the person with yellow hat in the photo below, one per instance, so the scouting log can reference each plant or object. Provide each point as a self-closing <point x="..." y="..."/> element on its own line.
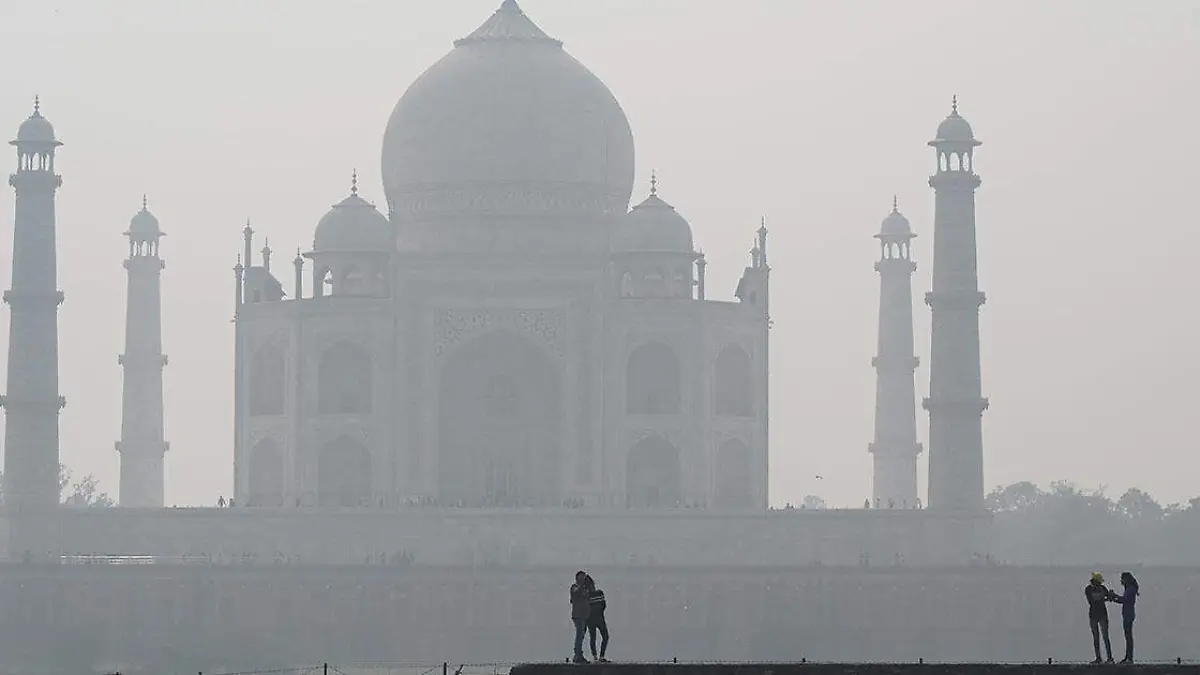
<point x="1098" y="596"/>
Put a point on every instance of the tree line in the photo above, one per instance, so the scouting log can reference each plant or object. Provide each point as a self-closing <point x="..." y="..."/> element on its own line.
<point x="1069" y="525"/>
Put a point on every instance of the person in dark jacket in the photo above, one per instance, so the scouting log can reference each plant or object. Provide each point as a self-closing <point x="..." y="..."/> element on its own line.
<point x="596" y="620"/>
<point x="580" y="608"/>
<point x="1128" y="600"/>
<point x="1098" y="595"/>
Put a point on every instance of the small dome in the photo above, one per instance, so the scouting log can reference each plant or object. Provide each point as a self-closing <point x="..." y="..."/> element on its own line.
<point x="353" y="225"/>
<point x="144" y="225"/>
<point x="653" y="226"/>
<point x="895" y="225"/>
<point x="36" y="129"/>
<point x="954" y="129"/>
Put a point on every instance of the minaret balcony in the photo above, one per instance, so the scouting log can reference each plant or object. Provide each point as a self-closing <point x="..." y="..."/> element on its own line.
<point x="955" y="181"/>
<point x="956" y="406"/>
<point x="894" y="265"/>
<point x="19" y="300"/>
<point x="18" y="403"/>
<point x="955" y="300"/>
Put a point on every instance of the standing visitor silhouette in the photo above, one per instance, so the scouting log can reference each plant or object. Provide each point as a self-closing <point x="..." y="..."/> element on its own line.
<point x="596" y="620"/>
<point x="1128" y="600"/>
<point x="580" y="609"/>
<point x="1098" y="596"/>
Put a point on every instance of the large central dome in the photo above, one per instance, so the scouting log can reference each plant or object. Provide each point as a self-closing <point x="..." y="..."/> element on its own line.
<point x="507" y="124"/>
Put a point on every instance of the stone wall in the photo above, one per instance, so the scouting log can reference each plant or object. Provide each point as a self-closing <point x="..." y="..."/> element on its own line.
<point x="246" y="617"/>
<point x="580" y="537"/>
<point x="848" y="669"/>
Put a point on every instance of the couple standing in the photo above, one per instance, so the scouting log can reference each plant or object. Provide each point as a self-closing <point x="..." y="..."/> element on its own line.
<point x="587" y="613"/>
<point x="1098" y="595"/>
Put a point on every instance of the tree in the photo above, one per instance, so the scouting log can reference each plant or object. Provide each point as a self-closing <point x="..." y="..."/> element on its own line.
<point x="1136" y="504"/>
<point x="84" y="492"/>
<point x="1018" y="497"/>
<point x="812" y="502"/>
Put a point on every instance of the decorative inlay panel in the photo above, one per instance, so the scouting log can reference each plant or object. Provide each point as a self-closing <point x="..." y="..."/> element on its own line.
<point x="458" y="326"/>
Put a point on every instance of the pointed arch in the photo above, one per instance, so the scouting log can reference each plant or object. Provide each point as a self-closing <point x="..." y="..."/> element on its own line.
<point x="653" y="475"/>
<point x="734" y="484"/>
<point x="266" y="474"/>
<point x="267" y="381"/>
<point x="499" y="424"/>
<point x="344" y="380"/>
<point x="733" y="383"/>
<point x="653" y="381"/>
<point x="344" y="474"/>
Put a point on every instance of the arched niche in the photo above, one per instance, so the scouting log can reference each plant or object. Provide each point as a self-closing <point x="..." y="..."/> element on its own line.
<point x="266" y="474"/>
<point x="733" y="383"/>
<point x="344" y="474"/>
<point x="653" y="381"/>
<point x="267" y="381"/>
<point x="653" y="478"/>
<point x="499" y="424"/>
<point x="733" y="486"/>
<point x="344" y="380"/>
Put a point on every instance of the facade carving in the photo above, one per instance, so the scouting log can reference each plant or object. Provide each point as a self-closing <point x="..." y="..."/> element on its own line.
<point x="457" y="326"/>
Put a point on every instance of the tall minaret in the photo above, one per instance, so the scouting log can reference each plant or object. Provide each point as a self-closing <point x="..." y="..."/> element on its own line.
<point x="33" y="403"/>
<point x="955" y="403"/>
<point x="895" y="448"/>
<point x="142" y="445"/>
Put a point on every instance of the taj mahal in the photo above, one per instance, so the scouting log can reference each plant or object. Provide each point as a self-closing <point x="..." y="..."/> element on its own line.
<point x="499" y="373"/>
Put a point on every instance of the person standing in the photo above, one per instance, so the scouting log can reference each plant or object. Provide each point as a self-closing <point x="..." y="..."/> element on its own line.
<point x="580" y="608"/>
<point x="1128" y="601"/>
<point x="596" y="620"/>
<point x="1098" y="595"/>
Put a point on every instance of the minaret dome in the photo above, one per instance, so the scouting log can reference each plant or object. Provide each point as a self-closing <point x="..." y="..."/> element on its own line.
<point x="955" y="130"/>
<point x="36" y="129"/>
<point x="144" y="226"/>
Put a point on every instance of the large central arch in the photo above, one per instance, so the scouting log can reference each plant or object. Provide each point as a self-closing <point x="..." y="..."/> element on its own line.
<point x="499" y="424"/>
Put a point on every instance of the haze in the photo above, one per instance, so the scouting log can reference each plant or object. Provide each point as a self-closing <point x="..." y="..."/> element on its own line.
<point x="811" y="114"/>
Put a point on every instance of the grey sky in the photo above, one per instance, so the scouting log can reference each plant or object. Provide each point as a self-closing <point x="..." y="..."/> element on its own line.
<point x="811" y="113"/>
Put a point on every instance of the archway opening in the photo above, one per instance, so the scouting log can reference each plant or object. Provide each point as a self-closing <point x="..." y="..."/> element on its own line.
<point x="734" y="485"/>
<point x="499" y="424"/>
<point x="653" y="383"/>
<point x="653" y="475"/>
<point x="344" y="474"/>
<point x="267" y="383"/>
<point x="733" y="380"/>
<point x="266" y="474"/>
<point x="344" y="380"/>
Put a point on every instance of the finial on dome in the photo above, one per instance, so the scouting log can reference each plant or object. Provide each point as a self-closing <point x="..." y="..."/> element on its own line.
<point x="895" y="204"/>
<point x="37" y="105"/>
<point x="354" y="183"/>
<point x="954" y="105"/>
<point x="653" y="183"/>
